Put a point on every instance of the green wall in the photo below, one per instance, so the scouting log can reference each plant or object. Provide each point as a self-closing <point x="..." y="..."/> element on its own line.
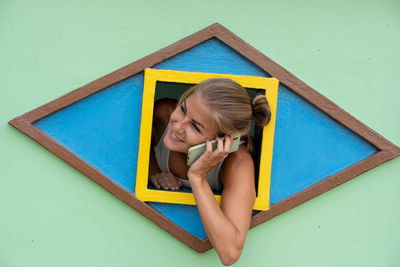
<point x="52" y="215"/>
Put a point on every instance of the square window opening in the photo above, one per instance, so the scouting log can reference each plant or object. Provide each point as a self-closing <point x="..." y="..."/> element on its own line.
<point x="174" y="90"/>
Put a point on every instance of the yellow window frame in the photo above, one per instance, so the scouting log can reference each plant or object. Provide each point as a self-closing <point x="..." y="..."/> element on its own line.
<point x="151" y="77"/>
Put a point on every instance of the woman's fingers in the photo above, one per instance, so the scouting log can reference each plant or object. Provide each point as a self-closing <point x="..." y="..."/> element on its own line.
<point x="165" y="180"/>
<point x="176" y="184"/>
<point x="224" y="146"/>
<point x="173" y="182"/>
<point x="154" y="181"/>
<point x="220" y="145"/>
<point x="228" y="143"/>
<point x="219" y="152"/>
<point x="170" y="180"/>
<point x="210" y="157"/>
<point x="161" y="181"/>
<point x="209" y="148"/>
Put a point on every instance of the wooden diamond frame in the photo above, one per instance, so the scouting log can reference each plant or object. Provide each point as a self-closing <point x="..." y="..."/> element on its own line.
<point x="387" y="150"/>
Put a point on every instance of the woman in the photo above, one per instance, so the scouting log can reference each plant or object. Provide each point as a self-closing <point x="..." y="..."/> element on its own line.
<point x="213" y="109"/>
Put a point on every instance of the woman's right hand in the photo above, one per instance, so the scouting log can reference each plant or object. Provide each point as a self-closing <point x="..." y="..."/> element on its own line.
<point x="166" y="180"/>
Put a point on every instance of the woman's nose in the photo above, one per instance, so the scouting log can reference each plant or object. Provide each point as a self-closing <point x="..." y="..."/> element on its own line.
<point x="179" y="127"/>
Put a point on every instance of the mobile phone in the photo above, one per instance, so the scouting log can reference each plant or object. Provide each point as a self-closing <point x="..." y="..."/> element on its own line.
<point x="196" y="151"/>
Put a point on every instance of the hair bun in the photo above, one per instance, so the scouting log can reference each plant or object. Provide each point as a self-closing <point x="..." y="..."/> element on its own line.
<point x="261" y="110"/>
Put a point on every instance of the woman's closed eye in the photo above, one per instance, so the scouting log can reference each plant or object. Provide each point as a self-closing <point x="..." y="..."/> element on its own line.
<point x="183" y="110"/>
<point x="195" y="127"/>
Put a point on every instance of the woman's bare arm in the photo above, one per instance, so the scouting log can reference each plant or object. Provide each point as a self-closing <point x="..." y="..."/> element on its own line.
<point x="227" y="226"/>
<point x="162" y="111"/>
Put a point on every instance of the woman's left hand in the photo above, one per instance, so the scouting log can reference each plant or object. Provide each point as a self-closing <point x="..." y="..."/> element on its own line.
<point x="210" y="158"/>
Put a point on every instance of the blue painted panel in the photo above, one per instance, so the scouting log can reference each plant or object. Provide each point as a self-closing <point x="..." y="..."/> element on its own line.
<point x="185" y="216"/>
<point x="309" y="146"/>
<point x="103" y="129"/>
<point x="212" y="56"/>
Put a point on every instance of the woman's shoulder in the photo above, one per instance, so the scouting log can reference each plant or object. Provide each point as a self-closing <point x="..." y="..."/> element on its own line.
<point x="240" y="157"/>
<point x="239" y="161"/>
<point x="162" y="111"/>
<point x="163" y="108"/>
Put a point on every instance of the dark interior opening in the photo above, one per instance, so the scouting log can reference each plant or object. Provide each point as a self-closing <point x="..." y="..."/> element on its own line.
<point x="175" y="90"/>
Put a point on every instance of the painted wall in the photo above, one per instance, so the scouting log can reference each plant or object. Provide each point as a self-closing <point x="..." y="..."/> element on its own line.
<point x="52" y="215"/>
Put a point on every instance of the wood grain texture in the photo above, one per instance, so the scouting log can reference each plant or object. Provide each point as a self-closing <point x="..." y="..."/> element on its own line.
<point x="388" y="151"/>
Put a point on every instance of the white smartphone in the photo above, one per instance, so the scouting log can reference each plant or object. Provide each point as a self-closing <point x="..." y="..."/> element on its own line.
<point x="196" y="151"/>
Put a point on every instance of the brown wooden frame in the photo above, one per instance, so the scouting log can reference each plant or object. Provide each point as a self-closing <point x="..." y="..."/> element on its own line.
<point x="387" y="150"/>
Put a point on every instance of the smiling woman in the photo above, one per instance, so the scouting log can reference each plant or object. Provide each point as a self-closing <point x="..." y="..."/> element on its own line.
<point x="213" y="109"/>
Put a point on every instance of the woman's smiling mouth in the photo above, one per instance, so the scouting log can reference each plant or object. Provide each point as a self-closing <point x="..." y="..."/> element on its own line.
<point x="174" y="138"/>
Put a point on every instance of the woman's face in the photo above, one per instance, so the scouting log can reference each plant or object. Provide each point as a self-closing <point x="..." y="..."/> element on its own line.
<point x="190" y="124"/>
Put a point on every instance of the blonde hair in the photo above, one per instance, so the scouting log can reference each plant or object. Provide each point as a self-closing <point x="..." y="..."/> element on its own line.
<point x="231" y="107"/>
